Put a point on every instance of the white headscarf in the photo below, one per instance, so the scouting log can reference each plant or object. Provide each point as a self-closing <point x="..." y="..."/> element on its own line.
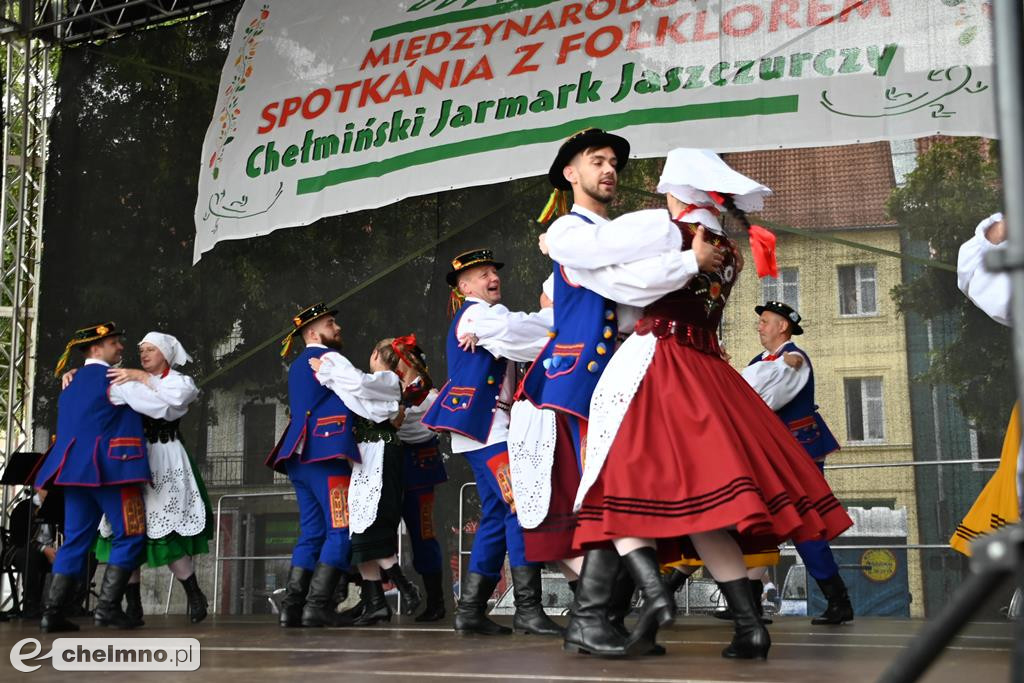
<point x="170" y="347"/>
<point x="689" y="175"/>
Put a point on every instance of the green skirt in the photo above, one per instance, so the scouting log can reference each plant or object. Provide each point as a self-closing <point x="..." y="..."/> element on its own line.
<point x="162" y="551"/>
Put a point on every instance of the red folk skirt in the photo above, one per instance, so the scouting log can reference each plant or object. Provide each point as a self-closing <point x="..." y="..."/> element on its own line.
<point x="698" y="450"/>
<point x="551" y="540"/>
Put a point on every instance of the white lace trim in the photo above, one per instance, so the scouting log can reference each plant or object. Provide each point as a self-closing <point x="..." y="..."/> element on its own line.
<point x="615" y="391"/>
<point x="173" y="502"/>
<point x="365" y="487"/>
<point x="531" y="455"/>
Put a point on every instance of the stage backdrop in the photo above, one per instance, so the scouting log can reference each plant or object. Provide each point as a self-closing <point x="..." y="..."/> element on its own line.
<point x="328" y="107"/>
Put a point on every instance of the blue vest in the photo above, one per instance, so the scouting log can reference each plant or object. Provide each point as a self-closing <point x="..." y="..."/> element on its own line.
<point x="467" y="402"/>
<point x="321" y="424"/>
<point x="98" y="443"/>
<point x="801" y="414"/>
<point x="565" y="373"/>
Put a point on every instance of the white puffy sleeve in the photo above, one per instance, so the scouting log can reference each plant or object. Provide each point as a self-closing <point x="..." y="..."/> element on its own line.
<point x="509" y="334"/>
<point x="638" y="283"/>
<point x="776" y="382"/>
<point x="987" y="290"/>
<point x="145" y="401"/>
<point x="373" y="395"/>
<point x="573" y="242"/>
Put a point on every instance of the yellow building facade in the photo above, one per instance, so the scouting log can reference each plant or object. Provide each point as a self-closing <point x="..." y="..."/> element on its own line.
<point x="857" y="345"/>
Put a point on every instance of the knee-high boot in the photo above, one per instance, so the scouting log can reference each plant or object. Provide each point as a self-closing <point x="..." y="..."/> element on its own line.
<point x="589" y="630"/>
<point x="750" y="638"/>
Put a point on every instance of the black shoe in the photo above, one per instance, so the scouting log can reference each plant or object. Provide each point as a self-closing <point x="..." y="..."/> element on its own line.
<point x="530" y="617"/>
<point x="108" y="610"/>
<point x="675" y="580"/>
<point x="319" y="609"/>
<point x="63" y="589"/>
<point x="196" y="599"/>
<point x="375" y="605"/>
<point x="659" y="606"/>
<point x="295" y="597"/>
<point x="621" y="605"/>
<point x="756" y="591"/>
<point x="470" y="611"/>
<point x="411" y="598"/>
<point x="133" y="604"/>
<point x="839" y="609"/>
<point x="341" y="591"/>
<point x="435" y="598"/>
<point x="750" y="638"/>
<point x="589" y="630"/>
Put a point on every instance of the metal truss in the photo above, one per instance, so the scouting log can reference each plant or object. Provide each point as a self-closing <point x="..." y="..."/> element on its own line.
<point x="29" y="30"/>
<point x="76" y="21"/>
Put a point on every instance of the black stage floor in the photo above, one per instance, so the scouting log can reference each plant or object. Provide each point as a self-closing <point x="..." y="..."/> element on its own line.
<point x="255" y="650"/>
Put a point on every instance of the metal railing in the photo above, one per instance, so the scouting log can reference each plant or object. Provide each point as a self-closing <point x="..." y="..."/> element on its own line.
<point x="218" y="559"/>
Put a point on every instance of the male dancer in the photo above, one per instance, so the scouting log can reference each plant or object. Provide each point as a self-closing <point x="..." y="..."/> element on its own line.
<point x="315" y="452"/>
<point x="474" y="408"/>
<point x="99" y="457"/>
<point x="784" y="378"/>
<point x="598" y="264"/>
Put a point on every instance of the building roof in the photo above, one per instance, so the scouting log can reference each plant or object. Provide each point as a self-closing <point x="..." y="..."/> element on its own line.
<point x="823" y="188"/>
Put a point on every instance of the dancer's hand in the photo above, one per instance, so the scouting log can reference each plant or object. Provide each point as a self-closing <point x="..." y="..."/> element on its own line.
<point x="996" y="233"/>
<point x="468" y="342"/>
<point x="709" y="258"/>
<point x="65" y="380"/>
<point x="315" y="363"/>
<point x="793" y="360"/>
<point x="123" y="375"/>
<point x="542" y="242"/>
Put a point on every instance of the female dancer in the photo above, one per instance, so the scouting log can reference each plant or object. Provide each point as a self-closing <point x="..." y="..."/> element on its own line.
<point x="681" y="450"/>
<point x="178" y="514"/>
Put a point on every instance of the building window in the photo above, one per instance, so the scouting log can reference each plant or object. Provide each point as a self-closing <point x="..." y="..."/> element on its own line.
<point x="904" y="159"/>
<point x="865" y="414"/>
<point x="785" y="288"/>
<point x="858" y="290"/>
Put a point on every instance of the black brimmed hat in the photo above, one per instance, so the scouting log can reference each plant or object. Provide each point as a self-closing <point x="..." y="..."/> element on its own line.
<point x="87" y="335"/>
<point x="303" y="318"/>
<point x="786" y="311"/>
<point x="586" y="139"/>
<point x="468" y="259"/>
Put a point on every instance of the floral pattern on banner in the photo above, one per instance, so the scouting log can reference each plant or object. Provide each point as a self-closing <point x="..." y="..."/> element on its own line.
<point x="228" y="116"/>
<point x="972" y="13"/>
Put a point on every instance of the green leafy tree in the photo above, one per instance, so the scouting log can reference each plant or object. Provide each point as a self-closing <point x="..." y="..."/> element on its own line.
<point x="955" y="185"/>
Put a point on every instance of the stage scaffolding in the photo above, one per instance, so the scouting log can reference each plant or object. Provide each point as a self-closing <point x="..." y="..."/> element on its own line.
<point x="29" y="30"/>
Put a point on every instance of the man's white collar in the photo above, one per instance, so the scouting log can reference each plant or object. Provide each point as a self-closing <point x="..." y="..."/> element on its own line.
<point x="96" y="361"/>
<point x="576" y="208"/>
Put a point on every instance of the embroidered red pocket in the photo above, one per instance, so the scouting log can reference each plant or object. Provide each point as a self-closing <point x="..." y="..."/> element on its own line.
<point x="500" y="469"/>
<point x="329" y="426"/>
<point x="427" y="516"/>
<point x="133" y="511"/>
<point x="337" y="493"/>
<point x="125" y="448"/>
<point x="458" y="398"/>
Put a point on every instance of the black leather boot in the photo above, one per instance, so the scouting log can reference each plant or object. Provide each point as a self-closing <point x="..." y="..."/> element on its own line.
<point x="750" y="638"/>
<point x="63" y="589"/>
<point x="621" y="605"/>
<point x="675" y="580"/>
<point x="196" y="599"/>
<point x="133" y="604"/>
<point x="341" y="591"/>
<point x="589" y="630"/>
<point x="108" y="610"/>
<point x="295" y="597"/>
<point x="756" y="591"/>
<point x="659" y="606"/>
<point x="530" y="617"/>
<point x="470" y="612"/>
<point x="435" y="598"/>
<point x="839" y="609"/>
<point x="319" y="608"/>
<point x="376" y="607"/>
<point x="411" y="598"/>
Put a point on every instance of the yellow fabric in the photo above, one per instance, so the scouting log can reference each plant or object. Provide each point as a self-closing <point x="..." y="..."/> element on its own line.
<point x="996" y="506"/>
<point x="769" y="558"/>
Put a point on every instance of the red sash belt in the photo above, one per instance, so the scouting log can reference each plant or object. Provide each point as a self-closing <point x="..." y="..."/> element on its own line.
<point x="687" y="334"/>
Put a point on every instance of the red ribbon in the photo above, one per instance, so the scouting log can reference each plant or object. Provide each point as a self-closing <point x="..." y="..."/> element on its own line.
<point x="762" y="246"/>
<point x="399" y="344"/>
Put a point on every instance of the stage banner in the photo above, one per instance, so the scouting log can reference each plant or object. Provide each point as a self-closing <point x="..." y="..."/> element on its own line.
<point x="327" y="107"/>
